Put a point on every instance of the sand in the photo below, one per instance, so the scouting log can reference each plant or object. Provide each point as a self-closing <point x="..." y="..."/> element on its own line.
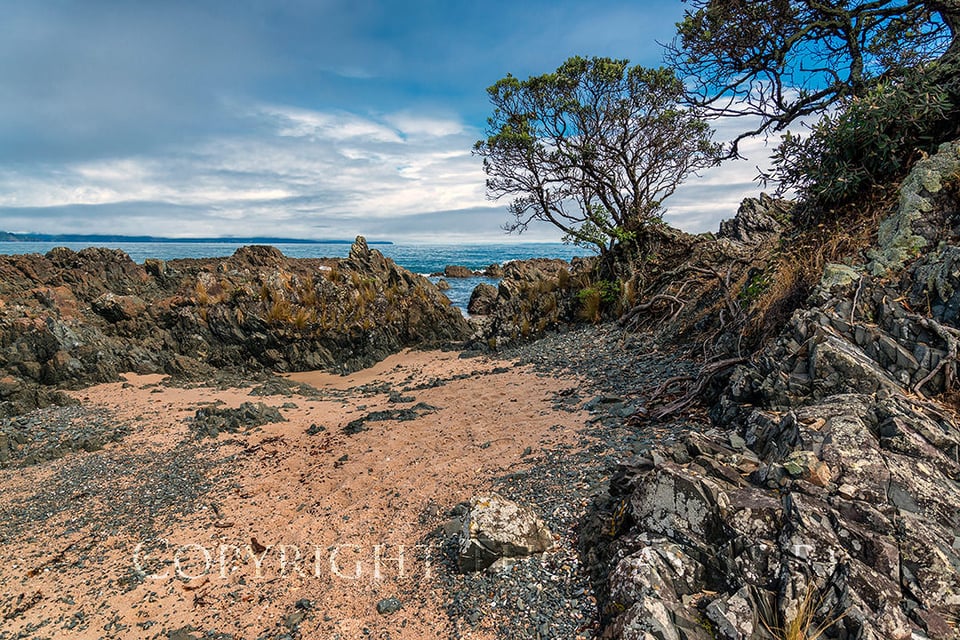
<point x="350" y="505"/>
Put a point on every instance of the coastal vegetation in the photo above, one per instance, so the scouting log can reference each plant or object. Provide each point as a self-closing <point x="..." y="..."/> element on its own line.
<point x="789" y="384"/>
<point x="594" y="148"/>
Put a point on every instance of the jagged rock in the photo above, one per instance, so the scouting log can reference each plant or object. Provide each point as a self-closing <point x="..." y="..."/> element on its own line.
<point x="533" y="296"/>
<point x="443" y="285"/>
<point x="839" y="366"/>
<point x="456" y="271"/>
<point x="838" y="275"/>
<point x="733" y="616"/>
<point x="210" y="422"/>
<point x="483" y="299"/>
<point x="497" y="528"/>
<point x="854" y="500"/>
<point x="116" y="308"/>
<point x="59" y="299"/>
<point x="897" y="238"/>
<point x="493" y="271"/>
<point x="75" y="318"/>
<point x="757" y="220"/>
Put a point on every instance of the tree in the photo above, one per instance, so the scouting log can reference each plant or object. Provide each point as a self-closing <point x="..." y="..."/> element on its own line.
<point x="780" y="60"/>
<point x="593" y="148"/>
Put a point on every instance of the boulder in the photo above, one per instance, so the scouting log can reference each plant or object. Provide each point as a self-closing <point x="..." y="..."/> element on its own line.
<point x="482" y="300"/>
<point x="493" y="271"/>
<point x="496" y="528"/>
<point x="116" y="308"/>
<point x="456" y="271"/>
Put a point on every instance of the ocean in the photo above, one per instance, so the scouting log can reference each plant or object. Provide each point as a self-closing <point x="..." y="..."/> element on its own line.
<point x="418" y="258"/>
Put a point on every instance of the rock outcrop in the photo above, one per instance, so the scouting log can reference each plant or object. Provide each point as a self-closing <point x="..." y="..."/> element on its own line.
<point x="533" y="296"/>
<point x="828" y="490"/>
<point x="757" y="220"/>
<point x="483" y="299"/>
<point x="69" y="318"/>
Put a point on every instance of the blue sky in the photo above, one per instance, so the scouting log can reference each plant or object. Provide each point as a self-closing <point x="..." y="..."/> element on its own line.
<point x="315" y="119"/>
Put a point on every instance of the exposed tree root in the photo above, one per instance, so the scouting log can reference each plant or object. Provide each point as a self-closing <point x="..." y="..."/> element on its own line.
<point x="693" y="393"/>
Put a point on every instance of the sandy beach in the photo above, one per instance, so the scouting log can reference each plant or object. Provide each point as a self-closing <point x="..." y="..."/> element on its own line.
<point x="297" y="527"/>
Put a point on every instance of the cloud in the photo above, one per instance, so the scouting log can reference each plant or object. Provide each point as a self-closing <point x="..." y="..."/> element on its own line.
<point x="319" y="126"/>
<point x="317" y="174"/>
<point x="302" y="170"/>
<point x="315" y="118"/>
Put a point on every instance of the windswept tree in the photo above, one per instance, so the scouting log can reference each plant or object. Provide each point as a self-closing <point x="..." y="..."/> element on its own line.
<point x="593" y="148"/>
<point x="780" y="60"/>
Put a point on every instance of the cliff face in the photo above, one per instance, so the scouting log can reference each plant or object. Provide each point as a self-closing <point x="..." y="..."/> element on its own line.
<point x="828" y="490"/>
<point x="71" y="319"/>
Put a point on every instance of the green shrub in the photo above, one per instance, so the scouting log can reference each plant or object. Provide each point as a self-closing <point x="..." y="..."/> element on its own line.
<point x="869" y="140"/>
<point x="599" y="296"/>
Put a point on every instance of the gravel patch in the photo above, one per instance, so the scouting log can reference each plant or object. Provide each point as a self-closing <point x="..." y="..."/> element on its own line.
<point x="51" y="433"/>
<point x="552" y="596"/>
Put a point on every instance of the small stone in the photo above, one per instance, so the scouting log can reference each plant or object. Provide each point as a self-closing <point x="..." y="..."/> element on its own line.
<point x="847" y="491"/>
<point x="388" y="606"/>
<point x="736" y="442"/>
<point x="819" y="474"/>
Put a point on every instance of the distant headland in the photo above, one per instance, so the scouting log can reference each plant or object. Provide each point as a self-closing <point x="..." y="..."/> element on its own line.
<point x="94" y="238"/>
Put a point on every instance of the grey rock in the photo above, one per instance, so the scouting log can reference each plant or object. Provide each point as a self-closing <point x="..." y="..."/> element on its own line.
<point x="388" y="606"/>
<point x="756" y="220"/>
<point x="898" y="239"/>
<point x="496" y="528"/>
<point x="838" y="275"/>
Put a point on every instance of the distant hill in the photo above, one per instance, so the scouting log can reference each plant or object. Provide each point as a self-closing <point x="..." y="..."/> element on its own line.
<point x="69" y="237"/>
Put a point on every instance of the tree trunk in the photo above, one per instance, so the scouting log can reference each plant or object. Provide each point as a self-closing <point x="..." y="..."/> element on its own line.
<point x="949" y="10"/>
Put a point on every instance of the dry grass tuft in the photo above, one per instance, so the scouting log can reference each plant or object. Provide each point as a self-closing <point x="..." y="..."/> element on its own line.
<point x="841" y="236"/>
<point x="803" y="625"/>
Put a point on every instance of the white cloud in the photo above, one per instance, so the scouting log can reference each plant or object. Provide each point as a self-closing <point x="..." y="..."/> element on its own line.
<point x="319" y="125"/>
<point x="297" y="171"/>
<point x="419" y="125"/>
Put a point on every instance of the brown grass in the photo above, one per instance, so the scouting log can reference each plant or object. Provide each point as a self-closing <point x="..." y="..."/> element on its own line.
<point x="200" y="294"/>
<point x="841" y="236"/>
<point x="280" y="312"/>
<point x="590" y="305"/>
<point x="803" y="626"/>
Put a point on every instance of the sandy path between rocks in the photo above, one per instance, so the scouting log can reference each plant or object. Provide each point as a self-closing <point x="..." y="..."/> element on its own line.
<point x="349" y="505"/>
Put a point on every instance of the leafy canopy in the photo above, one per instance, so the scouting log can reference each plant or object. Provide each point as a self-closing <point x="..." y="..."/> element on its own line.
<point x="780" y="60"/>
<point x="593" y="148"/>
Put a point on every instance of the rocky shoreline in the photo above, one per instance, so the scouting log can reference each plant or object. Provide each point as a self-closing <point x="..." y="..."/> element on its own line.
<point x="71" y="319"/>
<point x="714" y="453"/>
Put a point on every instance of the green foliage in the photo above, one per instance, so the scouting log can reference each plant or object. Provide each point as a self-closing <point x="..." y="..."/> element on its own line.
<point x="781" y="60"/>
<point x="755" y="287"/>
<point x="594" y="299"/>
<point x="593" y="148"/>
<point x="868" y="140"/>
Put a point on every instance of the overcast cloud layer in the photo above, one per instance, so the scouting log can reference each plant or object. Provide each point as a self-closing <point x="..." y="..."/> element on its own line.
<point x="296" y="118"/>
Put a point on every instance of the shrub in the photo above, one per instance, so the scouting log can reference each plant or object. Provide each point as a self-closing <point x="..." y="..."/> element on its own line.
<point x="594" y="299"/>
<point x="868" y="140"/>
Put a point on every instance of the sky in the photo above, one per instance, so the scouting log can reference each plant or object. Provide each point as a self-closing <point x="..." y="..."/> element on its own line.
<point x="293" y="118"/>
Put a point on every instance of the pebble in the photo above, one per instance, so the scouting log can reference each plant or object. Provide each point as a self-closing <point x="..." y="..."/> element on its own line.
<point x="388" y="606"/>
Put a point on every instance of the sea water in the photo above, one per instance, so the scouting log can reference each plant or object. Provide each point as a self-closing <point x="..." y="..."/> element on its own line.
<point x="424" y="259"/>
